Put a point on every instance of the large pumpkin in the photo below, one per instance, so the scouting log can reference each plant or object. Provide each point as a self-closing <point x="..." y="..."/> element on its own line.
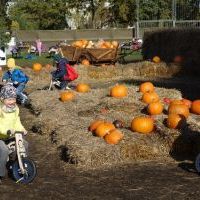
<point x="150" y="97"/>
<point x="175" y="121"/>
<point x="82" y="87"/>
<point x="104" y="129"/>
<point x="85" y="62"/>
<point x="37" y="67"/>
<point x="155" y="108"/>
<point x="176" y="102"/>
<point x="156" y="59"/>
<point x="180" y="109"/>
<point x="93" y="126"/>
<point x="113" y="137"/>
<point x="66" y="96"/>
<point x="195" y="107"/>
<point x="146" y="87"/>
<point x="119" y="91"/>
<point x="143" y="125"/>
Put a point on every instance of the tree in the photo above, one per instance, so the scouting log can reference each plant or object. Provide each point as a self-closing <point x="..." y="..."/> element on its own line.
<point x="39" y="14"/>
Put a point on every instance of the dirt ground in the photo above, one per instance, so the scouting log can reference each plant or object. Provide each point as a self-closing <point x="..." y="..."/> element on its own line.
<point x="160" y="179"/>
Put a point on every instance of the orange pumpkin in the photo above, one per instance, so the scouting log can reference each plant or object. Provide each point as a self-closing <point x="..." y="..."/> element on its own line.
<point x="195" y="107"/>
<point x="156" y="59"/>
<point x="37" y="67"/>
<point x="146" y="87"/>
<point x="78" y="44"/>
<point x="113" y="137"/>
<point x="66" y="96"/>
<point x="180" y="109"/>
<point x="119" y="91"/>
<point x="175" y="121"/>
<point x="115" y="44"/>
<point x="82" y="87"/>
<point x="104" y="129"/>
<point x="155" y="108"/>
<point x="85" y="62"/>
<point x="187" y="102"/>
<point x="150" y="97"/>
<point x="93" y="126"/>
<point x="143" y="125"/>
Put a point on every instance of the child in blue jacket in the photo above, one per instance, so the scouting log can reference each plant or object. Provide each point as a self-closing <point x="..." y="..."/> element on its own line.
<point x="60" y="73"/>
<point x="17" y="77"/>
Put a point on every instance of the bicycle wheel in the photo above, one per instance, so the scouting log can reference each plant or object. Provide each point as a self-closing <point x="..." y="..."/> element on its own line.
<point x="197" y="163"/>
<point x="30" y="168"/>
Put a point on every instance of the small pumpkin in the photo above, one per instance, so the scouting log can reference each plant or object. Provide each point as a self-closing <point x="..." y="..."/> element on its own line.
<point x="66" y="96"/>
<point x="93" y="126"/>
<point x="150" y="97"/>
<point x="119" y="91"/>
<point x="113" y="137"/>
<point x="85" y="62"/>
<point x="156" y="59"/>
<point x="142" y="125"/>
<point x="104" y="129"/>
<point x="37" y="67"/>
<point x="82" y="87"/>
<point x="195" y="107"/>
<point x="155" y="108"/>
<point x="175" y="121"/>
<point x="146" y="87"/>
<point x="118" y="123"/>
<point x="180" y="109"/>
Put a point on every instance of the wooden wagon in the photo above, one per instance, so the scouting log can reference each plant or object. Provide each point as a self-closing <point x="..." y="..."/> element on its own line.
<point x="94" y="55"/>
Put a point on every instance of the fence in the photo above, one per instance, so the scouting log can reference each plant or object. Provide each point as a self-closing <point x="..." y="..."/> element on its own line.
<point x="166" y="14"/>
<point x="50" y="37"/>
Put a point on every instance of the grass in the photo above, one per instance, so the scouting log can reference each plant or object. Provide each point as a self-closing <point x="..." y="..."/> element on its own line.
<point x="23" y="62"/>
<point x="129" y="56"/>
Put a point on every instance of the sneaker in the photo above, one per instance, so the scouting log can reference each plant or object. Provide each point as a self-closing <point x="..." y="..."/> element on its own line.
<point x="67" y="88"/>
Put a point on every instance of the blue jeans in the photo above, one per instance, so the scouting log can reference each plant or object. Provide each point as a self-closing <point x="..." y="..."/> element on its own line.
<point x="4" y="153"/>
<point x="20" y="88"/>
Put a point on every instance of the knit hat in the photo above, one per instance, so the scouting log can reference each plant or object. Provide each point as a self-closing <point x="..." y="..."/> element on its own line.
<point x="11" y="63"/>
<point x="57" y="57"/>
<point x="8" y="91"/>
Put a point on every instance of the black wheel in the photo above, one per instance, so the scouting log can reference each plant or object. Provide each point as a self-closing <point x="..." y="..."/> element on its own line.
<point x="30" y="168"/>
<point x="197" y="163"/>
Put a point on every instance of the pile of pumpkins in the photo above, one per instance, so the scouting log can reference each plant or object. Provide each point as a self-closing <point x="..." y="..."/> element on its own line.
<point x="99" y="44"/>
<point x="106" y="130"/>
<point x="178" y="109"/>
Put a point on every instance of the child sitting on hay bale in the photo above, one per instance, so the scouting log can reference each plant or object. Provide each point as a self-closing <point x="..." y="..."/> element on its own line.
<point x="64" y="73"/>
<point x="18" y="78"/>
